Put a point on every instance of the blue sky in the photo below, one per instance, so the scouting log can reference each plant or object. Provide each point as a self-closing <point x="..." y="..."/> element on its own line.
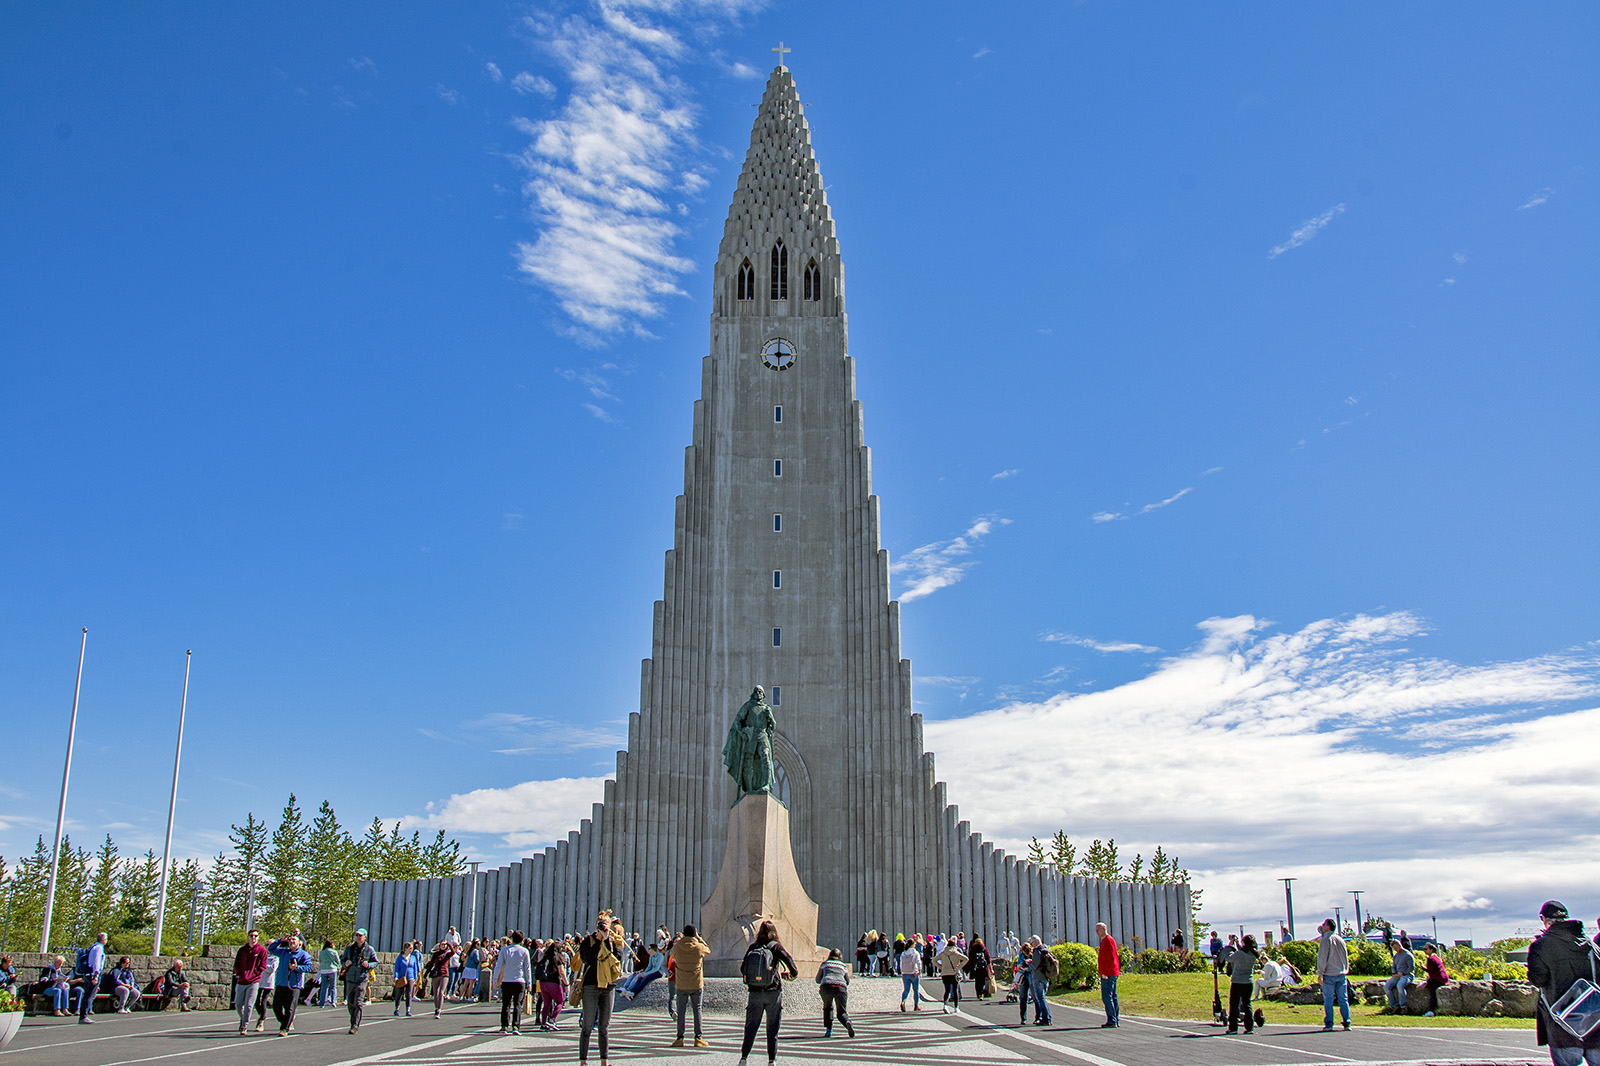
<point x="1228" y="369"/>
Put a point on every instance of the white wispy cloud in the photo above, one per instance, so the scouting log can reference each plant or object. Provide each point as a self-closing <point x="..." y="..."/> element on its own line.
<point x="494" y="73"/>
<point x="538" y="84"/>
<point x="941" y="564"/>
<point x="1540" y="197"/>
<point x="1114" y="516"/>
<point x="1002" y="475"/>
<point x="447" y="94"/>
<point x="984" y="51"/>
<point x="1107" y="646"/>
<point x="942" y="681"/>
<point x="530" y="815"/>
<point x="601" y="413"/>
<point x="600" y="174"/>
<point x="522" y="734"/>
<point x="1307" y="230"/>
<point x="1211" y="470"/>
<point x="512" y="521"/>
<point x="364" y="65"/>
<point x="1420" y="775"/>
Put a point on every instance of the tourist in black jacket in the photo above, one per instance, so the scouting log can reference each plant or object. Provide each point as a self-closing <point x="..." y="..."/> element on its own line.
<point x="1557" y="957"/>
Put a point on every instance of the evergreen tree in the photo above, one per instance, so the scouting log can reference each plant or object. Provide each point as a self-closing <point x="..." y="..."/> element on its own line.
<point x="102" y="901"/>
<point x="442" y="858"/>
<point x="333" y="870"/>
<point x="28" y="885"/>
<point x="1136" y="868"/>
<point x="283" y="870"/>
<point x="139" y="883"/>
<point x="1036" y="852"/>
<point x="180" y="895"/>
<point x="372" y="851"/>
<point x="1101" y="861"/>
<point x="1161" y="868"/>
<point x="249" y="849"/>
<point x="69" y="920"/>
<point x="1063" y="853"/>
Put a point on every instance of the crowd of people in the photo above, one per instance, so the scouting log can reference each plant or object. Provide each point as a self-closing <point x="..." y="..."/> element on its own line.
<point x="590" y="973"/>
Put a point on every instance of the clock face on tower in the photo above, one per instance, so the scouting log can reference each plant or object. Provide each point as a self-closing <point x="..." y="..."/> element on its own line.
<point x="777" y="354"/>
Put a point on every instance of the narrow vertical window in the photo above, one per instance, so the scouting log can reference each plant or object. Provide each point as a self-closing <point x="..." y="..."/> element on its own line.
<point x="747" y="281"/>
<point x="777" y="637"/>
<point x="777" y="412"/>
<point x="777" y="468"/>
<point x="777" y="695"/>
<point x="813" y="285"/>
<point x="780" y="272"/>
<point x="777" y="523"/>
<point x="777" y="579"/>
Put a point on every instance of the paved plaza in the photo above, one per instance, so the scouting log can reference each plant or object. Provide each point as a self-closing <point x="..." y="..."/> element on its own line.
<point x="985" y="1036"/>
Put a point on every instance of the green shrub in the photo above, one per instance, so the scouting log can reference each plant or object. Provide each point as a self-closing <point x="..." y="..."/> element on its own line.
<point x="1152" y="961"/>
<point x="1125" y="959"/>
<point x="1080" y="967"/>
<point x="1003" y="971"/>
<point x="1366" y="959"/>
<point x="1302" y="955"/>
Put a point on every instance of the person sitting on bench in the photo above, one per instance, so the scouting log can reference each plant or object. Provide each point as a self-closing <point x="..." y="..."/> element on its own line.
<point x="124" y="986"/>
<point x="175" y="986"/>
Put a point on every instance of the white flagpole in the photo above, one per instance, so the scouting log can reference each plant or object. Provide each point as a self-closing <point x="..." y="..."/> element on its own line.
<point x="61" y="811"/>
<point x="172" y="810"/>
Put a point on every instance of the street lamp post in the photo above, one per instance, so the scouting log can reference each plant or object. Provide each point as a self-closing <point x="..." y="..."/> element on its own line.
<point x="1338" y="920"/>
<point x="1288" y="901"/>
<point x="1435" y="928"/>
<point x="1360" y="929"/>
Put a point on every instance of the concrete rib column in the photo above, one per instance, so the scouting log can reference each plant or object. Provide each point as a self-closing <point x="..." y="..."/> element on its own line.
<point x="548" y="897"/>
<point x="409" y="919"/>
<point x="1186" y="913"/>
<point x="964" y="899"/>
<point x="585" y="857"/>
<point x="605" y="868"/>
<point x="574" y="904"/>
<point x="363" y="905"/>
<point x="525" y="896"/>
<point x="597" y="838"/>
<point x="986" y="865"/>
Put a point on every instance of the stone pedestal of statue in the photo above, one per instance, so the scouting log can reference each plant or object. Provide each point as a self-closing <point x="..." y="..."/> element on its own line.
<point x="758" y="881"/>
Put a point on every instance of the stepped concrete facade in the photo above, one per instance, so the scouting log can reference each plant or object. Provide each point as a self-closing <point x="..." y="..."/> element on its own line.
<point x="777" y="578"/>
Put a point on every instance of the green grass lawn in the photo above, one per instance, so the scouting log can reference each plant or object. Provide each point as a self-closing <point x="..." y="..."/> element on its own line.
<point x="1188" y="996"/>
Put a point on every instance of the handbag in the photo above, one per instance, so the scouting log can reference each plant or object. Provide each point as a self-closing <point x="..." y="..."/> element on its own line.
<point x="575" y="997"/>
<point x="1578" y="1009"/>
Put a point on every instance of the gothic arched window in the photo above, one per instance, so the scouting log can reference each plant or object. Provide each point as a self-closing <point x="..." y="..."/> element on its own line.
<point x="780" y="272"/>
<point x="813" y="285"/>
<point x="747" y="281"/>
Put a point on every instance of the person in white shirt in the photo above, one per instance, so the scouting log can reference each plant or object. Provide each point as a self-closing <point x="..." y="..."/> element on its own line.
<point x="513" y="971"/>
<point x="1273" y="977"/>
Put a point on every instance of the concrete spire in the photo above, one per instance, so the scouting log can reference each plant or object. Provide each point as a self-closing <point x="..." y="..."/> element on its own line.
<point x="780" y="196"/>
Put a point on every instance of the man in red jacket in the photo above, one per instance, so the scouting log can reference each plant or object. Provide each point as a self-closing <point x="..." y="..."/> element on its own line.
<point x="1110" y="969"/>
<point x="248" y="966"/>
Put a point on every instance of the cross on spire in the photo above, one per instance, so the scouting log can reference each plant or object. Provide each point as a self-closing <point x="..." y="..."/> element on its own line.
<point x="781" y="50"/>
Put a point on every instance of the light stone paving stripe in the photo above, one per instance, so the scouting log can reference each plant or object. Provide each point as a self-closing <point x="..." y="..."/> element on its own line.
<point x="398" y="1052"/>
<point x="62" y="1029"/>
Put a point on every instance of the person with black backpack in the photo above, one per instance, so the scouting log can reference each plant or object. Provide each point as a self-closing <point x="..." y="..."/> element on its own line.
<point x="1558" y="958"/>
<point x="764" y="981"/>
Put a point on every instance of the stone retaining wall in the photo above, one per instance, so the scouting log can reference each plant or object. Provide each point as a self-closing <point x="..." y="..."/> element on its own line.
<point x="210" y="972"/>
<point x="1487" y="999"/>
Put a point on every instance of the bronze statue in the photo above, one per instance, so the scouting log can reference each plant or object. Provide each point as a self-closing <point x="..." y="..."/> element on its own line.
<point x="748" y="751"/>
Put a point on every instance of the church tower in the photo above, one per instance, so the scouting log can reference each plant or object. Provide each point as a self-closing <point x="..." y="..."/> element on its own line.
<point x="776" y="578"/>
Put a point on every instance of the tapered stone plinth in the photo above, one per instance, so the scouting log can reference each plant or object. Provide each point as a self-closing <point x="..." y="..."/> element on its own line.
<point x="758" y="881"/>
